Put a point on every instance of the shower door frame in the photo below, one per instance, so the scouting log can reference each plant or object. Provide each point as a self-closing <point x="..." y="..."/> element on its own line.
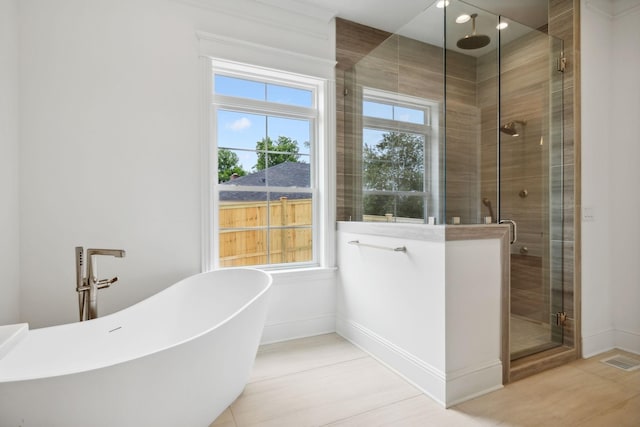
<point x="551" y="208"/>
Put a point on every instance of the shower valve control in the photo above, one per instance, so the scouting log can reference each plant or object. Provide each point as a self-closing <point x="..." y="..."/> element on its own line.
<point x="523" y="193"/>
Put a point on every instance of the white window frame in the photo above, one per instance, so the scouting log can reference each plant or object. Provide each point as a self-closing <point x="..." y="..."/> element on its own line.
<point x="321" y="155"/>
<point x="430" y="131"/>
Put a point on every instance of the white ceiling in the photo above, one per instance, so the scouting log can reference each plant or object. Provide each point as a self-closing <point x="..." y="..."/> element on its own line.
<point x="391" y="15"/>
<point x="421" y="20"/>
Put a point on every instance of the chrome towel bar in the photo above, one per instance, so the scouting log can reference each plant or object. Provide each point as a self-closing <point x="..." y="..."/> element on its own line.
<point x="384" y="248"/>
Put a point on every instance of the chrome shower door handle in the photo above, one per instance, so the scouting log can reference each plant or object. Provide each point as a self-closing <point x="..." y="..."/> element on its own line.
<point x="514" y="226"/>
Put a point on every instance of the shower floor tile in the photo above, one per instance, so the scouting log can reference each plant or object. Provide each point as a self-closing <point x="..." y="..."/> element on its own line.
<point x="526" y="334"/>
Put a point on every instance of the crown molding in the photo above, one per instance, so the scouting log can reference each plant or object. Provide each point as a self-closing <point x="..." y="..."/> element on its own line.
<point x="305" y="9"/>
<point x="241" y="51"/>
<point x="614" y="9"/>
<point x="280" y="14"/>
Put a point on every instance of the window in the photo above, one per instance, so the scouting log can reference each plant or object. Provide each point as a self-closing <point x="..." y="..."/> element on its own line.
<point x="396" y="141"/>
<point x="265" y="136"/>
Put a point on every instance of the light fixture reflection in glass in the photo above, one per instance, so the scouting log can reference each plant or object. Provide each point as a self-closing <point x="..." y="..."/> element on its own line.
<point x="502" y="25"/>
<point x="463" y="18"/>
<point x="442" y="3"/>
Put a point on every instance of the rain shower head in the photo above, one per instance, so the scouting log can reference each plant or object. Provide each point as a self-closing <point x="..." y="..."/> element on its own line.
<point x="510" y="128"/>
<point x="473" y="40"/>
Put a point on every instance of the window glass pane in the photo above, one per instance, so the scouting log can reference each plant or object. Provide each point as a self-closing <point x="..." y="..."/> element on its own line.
<point x="409" y="207"/>
<point x="393" y="161"/>
<point x="376" y="206"/>
<point x="372" y="137"/>
<point x="243" y="247"/>
<point x="409" y="161"/>
<point x="409" y="115"/>
<point x="240" y="130"/>
<point x="254" y="230"/>
<point x="233" y="164"/>
<point x="241" y="88"/>
<point x="393" y="208"/>
<point x="290" y="135"/>
<point x="378" y="175"/>
<point x="293" y="209"/>
<point x="291" y="238"/>
<point x="243" y="217"/>
<point x="377" y="109"/>
<point x="290" y="244"/>
<point x="288" y="174"/>
<point x="289" y="95"/>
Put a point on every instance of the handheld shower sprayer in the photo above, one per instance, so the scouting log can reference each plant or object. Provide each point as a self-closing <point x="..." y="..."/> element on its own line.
<point x="487" y="203"/>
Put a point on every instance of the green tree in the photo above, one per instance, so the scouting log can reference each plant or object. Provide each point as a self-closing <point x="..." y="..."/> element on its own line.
<point x="228" y="164"/>
<point x="394" y="164"/>
<point x="272" y="153"/>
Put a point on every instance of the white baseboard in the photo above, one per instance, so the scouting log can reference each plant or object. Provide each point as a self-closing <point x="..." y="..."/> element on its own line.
<point x="463" y="386"/>
<point x="598" y="343"/>
<point x="298" y="328"/>
<point x="628" y="341"/>
<point x="445" y="389"/>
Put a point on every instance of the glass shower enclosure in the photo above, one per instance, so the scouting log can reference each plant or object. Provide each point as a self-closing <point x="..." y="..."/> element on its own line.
<point x="457" y="118"/>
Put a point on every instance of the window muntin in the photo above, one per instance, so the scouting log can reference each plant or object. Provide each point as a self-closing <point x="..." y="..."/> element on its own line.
<point x="395" y="153"/>
<point x="266" y="212"/>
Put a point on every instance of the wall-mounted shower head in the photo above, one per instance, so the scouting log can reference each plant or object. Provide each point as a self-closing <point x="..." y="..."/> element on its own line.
<point x="473" y="40"/>
<point x="510" y="128"/>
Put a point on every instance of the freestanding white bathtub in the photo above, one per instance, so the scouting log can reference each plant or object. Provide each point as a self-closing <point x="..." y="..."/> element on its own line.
<point x="178" y="358"/>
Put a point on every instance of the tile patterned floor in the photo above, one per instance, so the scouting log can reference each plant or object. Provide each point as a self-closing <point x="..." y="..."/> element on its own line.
<point x="326" y="381"/>
<point x="526" y="334"/>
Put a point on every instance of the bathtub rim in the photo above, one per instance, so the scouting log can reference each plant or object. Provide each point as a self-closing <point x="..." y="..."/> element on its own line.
<point x="7" y="378"/>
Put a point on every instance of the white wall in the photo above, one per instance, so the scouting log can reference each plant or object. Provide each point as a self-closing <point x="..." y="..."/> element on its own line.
<point x="9" y="218"/>
<point x="110" y="148"/>
<point x="473" y="317"/>
<point x="597" y="314"/>
<point x="392" y="304"/>
<point x="432" y="313"/>
<point x="610" y="157"/>
<point x="624" y="196"/>
<point x="301" y="305"/>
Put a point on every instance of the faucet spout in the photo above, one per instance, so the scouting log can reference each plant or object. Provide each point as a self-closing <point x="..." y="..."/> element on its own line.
<point x="118" y="253"/>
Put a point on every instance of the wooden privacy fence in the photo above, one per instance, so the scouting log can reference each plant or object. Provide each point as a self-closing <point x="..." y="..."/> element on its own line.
<point x="265" y="232"/>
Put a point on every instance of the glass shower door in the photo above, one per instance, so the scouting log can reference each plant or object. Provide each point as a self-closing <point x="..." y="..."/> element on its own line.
<point x="530" y="184"/>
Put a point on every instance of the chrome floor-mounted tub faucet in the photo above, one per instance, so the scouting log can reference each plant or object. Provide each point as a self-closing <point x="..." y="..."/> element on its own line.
<point x="88" y="286"/>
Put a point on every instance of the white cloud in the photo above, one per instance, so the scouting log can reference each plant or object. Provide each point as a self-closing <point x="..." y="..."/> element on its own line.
<point x="240" y="124"/>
